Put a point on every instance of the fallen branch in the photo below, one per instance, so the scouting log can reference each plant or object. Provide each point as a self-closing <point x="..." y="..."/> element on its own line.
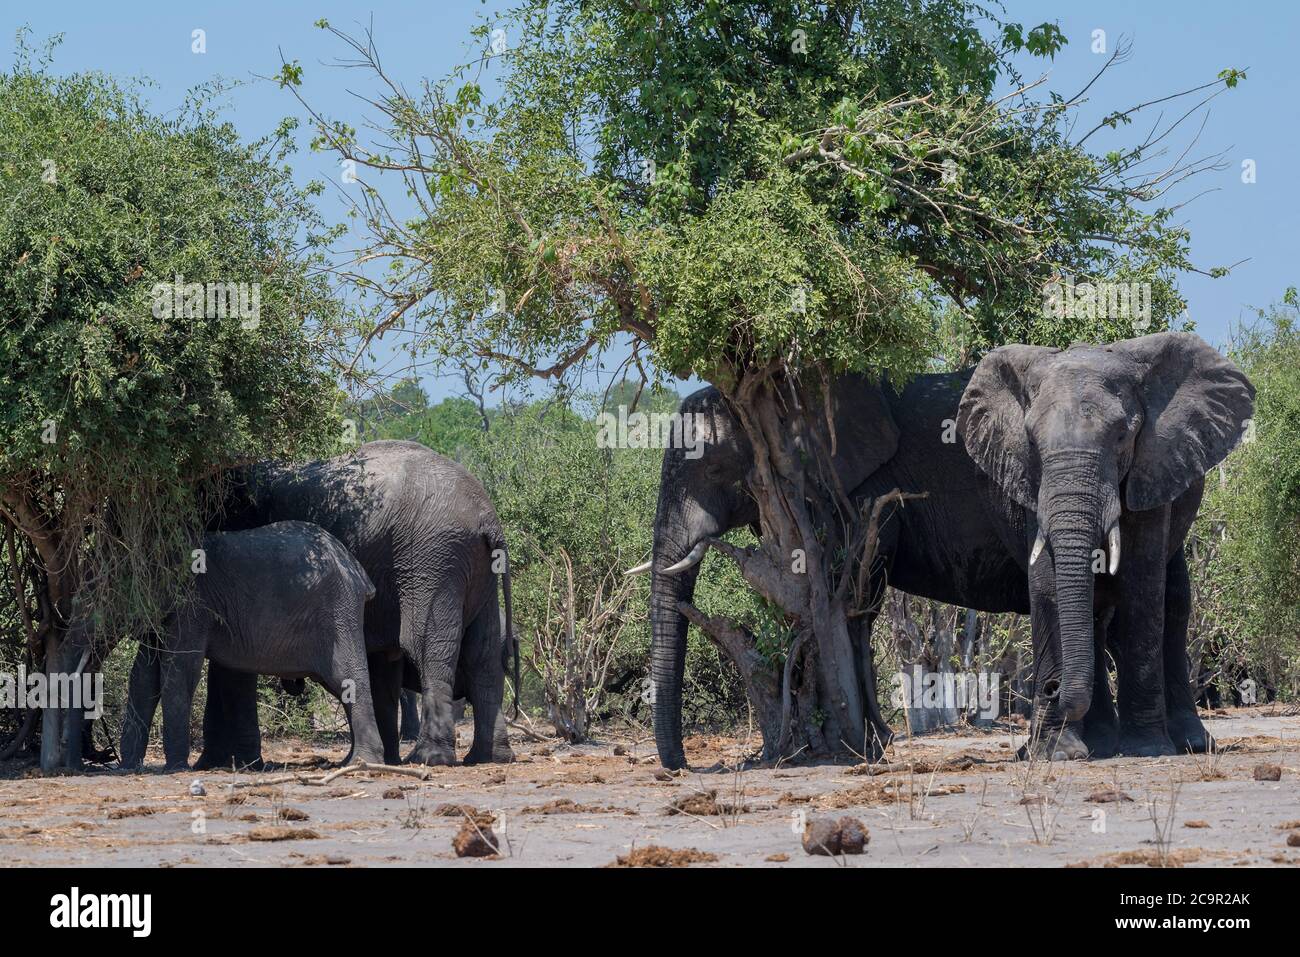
<point x="423" y="773"/>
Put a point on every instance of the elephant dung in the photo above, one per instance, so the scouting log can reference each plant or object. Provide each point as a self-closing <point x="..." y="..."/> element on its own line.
<point x="475" y="840"/>
<point x="1268" y="772"/>
<point x="831" y="838"/>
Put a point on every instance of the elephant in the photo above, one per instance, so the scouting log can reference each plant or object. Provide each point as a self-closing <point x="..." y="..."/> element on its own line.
<point x="952" y="546"/>
<point x="1104" y="450"/>
<point x="426" y="533"/>
<point x="286" y="599"/>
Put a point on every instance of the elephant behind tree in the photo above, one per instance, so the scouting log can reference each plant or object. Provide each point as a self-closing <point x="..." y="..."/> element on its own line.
<point x="426" y="533"/>
<point x="1105" y="449"/>
<point x="950" y="546"/>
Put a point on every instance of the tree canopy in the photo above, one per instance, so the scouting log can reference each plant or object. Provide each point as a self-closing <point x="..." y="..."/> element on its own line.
<point x="163" y="317"/>
<point x="734" y="183"/>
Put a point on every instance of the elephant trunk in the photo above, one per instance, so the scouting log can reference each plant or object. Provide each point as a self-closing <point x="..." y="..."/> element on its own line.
<point x="1071" y="505"/>
<point x="675" y="536"/>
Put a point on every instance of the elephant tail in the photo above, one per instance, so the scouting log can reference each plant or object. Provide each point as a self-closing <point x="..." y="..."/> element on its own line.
<point x="512" y="643"/>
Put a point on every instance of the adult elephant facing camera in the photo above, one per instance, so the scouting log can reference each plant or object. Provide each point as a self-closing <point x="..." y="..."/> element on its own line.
<point x="426" y="533"/>
<point x="1105" y="449"/>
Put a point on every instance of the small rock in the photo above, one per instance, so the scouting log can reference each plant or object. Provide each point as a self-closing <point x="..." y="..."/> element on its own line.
<point x="475" y="840"/>
<point x="393" y="794"/>
<point x="1268" y="772"/>
<point x="197" y="789"/>
<point x="1196" y="824"/>
<point x="830" y="838"/>
<point x="777" y="858"/>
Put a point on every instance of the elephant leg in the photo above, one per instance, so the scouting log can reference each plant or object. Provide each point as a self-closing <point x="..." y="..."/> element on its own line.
<point x="349" y="681"/>
<point x="1140" y="631"/>
<point x="239" y="706"/>
<point x="1101" y="724"/>
<point x="1051" y="736"/>
<point x="410" y="707"/>
<point x="180" y="676"/>
<point x="435" y="653"/>
<point x="1185" y="728"/>
<point x="385" y="691"/>
<point x="483" y="668"/>
<point x="143" y="692"/>
<point x="231" y="736"/>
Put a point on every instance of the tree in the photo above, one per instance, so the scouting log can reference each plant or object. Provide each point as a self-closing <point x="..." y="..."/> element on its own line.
<point x="160" y="322"/>
<point x="1245" y="550"/>
<point x="766" y="196"/>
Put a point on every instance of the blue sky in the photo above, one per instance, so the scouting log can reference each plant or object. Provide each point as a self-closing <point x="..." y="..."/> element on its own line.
<point x="1175" y="45"/>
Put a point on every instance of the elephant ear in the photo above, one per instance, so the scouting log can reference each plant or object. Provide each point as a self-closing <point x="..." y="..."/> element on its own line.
<point x="991" y="419"/>
<point x="866" y="435"/>
<point x="1197" y="404"/>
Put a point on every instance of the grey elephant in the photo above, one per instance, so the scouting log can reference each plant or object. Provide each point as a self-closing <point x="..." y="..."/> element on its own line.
<point x="426" y="533"/>
<point x="1104" y="450"/>
<point x="951" y="546"/>
<point x="286" y="599"/>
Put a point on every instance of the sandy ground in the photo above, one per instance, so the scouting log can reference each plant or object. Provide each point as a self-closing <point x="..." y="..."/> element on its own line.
<point x="945" y="800"/>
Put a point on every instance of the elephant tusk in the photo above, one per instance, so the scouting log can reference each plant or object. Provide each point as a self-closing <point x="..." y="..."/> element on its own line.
<point x="1039" y="542"/>
<point x="1112" y="541"/>
<point x="692" y="558"/>
<point x="640" y="569"/>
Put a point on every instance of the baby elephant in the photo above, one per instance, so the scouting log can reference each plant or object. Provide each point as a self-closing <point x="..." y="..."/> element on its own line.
<point x="285" y="600"/>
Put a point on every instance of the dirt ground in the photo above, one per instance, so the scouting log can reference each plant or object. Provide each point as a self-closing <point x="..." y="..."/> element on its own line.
<point x="942" y="800"/>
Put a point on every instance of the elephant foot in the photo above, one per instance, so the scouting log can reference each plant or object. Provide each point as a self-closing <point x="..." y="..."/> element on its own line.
<point x="212" y="761"/>
<point x="1102" y="738"/>
<point x="1189" y="735"/>
<point x="1151" y="744"/>
<point x="226" y="762"/>
<point x="365" y="756"/>
<point x="430" y="754"/>
<point x="172" y="767"/>
<point x="1054" y="744"/>
<point x="498" y="755"/>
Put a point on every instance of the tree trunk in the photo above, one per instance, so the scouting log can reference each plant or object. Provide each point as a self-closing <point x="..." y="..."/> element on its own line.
<point x="816" y="700"/>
